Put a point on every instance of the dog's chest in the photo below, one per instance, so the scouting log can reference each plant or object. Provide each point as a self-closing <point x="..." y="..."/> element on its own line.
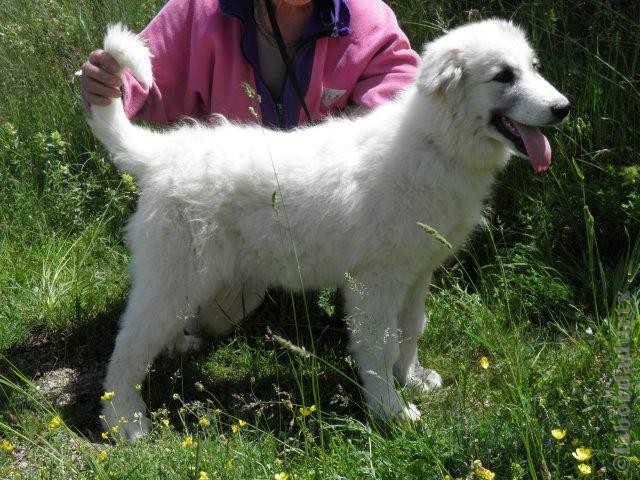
<point x="442" y="217"/>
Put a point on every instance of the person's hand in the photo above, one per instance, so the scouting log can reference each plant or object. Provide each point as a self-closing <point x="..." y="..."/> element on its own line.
<point x="100" y="80"/>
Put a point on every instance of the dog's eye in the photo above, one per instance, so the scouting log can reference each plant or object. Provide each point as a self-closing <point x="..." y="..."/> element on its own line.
<point x="506" y="75"/>
<point x="537" y="66"/>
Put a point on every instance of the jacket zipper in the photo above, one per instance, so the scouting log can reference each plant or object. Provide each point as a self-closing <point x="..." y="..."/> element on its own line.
<point x="287" y="81"/>
<point x="280" y="113"/>
<point x="278" y="103"/>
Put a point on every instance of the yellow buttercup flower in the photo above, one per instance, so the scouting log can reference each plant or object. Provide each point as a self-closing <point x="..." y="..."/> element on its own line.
<point x="105" y="435"/>
<point x="481" y="472"/>
<point x="103" y="456"/>
<point x="237" y="426"/>
<point x="582" y="454"/>
<point x="108" y="396"/>
<point x="115" y="429"/>
<point x="188" y="442"/>
<point x="305" y="411"/>
<point x="484" y="362"/>
<point x="281" y="476"/>
<point x="228" y="464"/>
<point x="203" y="475"/>
<point x="7" y="446"/>
<point x="204" y="422"/>
<point x="584" y="469"/>
<point x="55" y="422"/>
<point x="558" y="433"/>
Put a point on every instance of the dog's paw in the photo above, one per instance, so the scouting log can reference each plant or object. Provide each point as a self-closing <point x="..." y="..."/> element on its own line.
<point x="138" y="428"/>
<point x="128" y="429"/>
<point x="424" y="379"/>
<point x="410" y="413"/>
<point x="124" y="417"/>
<point x="394" y="409"/>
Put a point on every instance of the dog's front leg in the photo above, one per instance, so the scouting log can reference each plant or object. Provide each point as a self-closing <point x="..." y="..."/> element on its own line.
<point x="372" y="302"/>
<point x="411" y="323"/>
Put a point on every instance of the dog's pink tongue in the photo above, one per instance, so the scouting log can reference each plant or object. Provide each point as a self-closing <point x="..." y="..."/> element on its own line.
<point x="537" y="146"/>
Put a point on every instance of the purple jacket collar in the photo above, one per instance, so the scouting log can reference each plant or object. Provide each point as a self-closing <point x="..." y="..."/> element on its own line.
<point x="332" y="16"/>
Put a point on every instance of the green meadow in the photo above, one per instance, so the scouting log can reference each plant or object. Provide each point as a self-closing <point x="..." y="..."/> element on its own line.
<point x="534" y="324"/>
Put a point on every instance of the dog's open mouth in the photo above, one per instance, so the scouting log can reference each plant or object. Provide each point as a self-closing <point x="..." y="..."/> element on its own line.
<point x="528" y="140"/>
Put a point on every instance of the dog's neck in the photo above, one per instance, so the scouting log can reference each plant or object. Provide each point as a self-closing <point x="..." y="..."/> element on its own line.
<point x="444" y="154"/>
<point x="428" y="116"/>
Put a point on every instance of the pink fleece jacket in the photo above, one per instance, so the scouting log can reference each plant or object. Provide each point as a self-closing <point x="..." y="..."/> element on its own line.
<point x="353" y="53"/>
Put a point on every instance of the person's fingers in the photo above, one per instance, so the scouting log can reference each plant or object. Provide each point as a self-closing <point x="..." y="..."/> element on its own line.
<point x="102" y="58"/>
<point x="90" y="98"/>
<point x="101" y="75"/>
<point x="91" y="86"/>
<point x="100" y="80"/>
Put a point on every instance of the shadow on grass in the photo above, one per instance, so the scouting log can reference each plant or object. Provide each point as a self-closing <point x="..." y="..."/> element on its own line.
<point x="69" y="367"/>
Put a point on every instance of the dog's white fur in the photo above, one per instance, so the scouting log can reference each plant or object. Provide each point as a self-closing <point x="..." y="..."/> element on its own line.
<point x="232" y="206"/>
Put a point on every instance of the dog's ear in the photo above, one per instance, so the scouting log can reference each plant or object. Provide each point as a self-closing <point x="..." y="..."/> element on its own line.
<point x="442" y="73"/>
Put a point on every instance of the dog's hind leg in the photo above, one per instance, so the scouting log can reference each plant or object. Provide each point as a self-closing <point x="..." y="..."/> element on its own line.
<point x="411" y="323"/>
<point x="372" y="304"/>
<point x="155" y="314"/>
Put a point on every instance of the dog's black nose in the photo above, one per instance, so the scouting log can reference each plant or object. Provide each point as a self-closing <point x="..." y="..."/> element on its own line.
<point x="561" y="110"/>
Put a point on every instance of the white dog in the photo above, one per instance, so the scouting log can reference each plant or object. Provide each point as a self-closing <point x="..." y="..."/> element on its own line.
<point x="334" y="204"/>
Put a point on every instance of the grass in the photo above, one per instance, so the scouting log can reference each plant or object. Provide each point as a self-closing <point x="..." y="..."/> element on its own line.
<point x="536" y="291"/>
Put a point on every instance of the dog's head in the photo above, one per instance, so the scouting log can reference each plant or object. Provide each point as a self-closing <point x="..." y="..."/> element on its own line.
<point x="488" y="76"/>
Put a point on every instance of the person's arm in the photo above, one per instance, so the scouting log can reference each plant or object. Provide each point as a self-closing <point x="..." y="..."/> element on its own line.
<point x="170" y="97"/>
<point x="391" y="63"/>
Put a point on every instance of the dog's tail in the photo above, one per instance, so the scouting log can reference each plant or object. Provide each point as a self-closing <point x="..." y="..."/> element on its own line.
<point x="132" y="147"/>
